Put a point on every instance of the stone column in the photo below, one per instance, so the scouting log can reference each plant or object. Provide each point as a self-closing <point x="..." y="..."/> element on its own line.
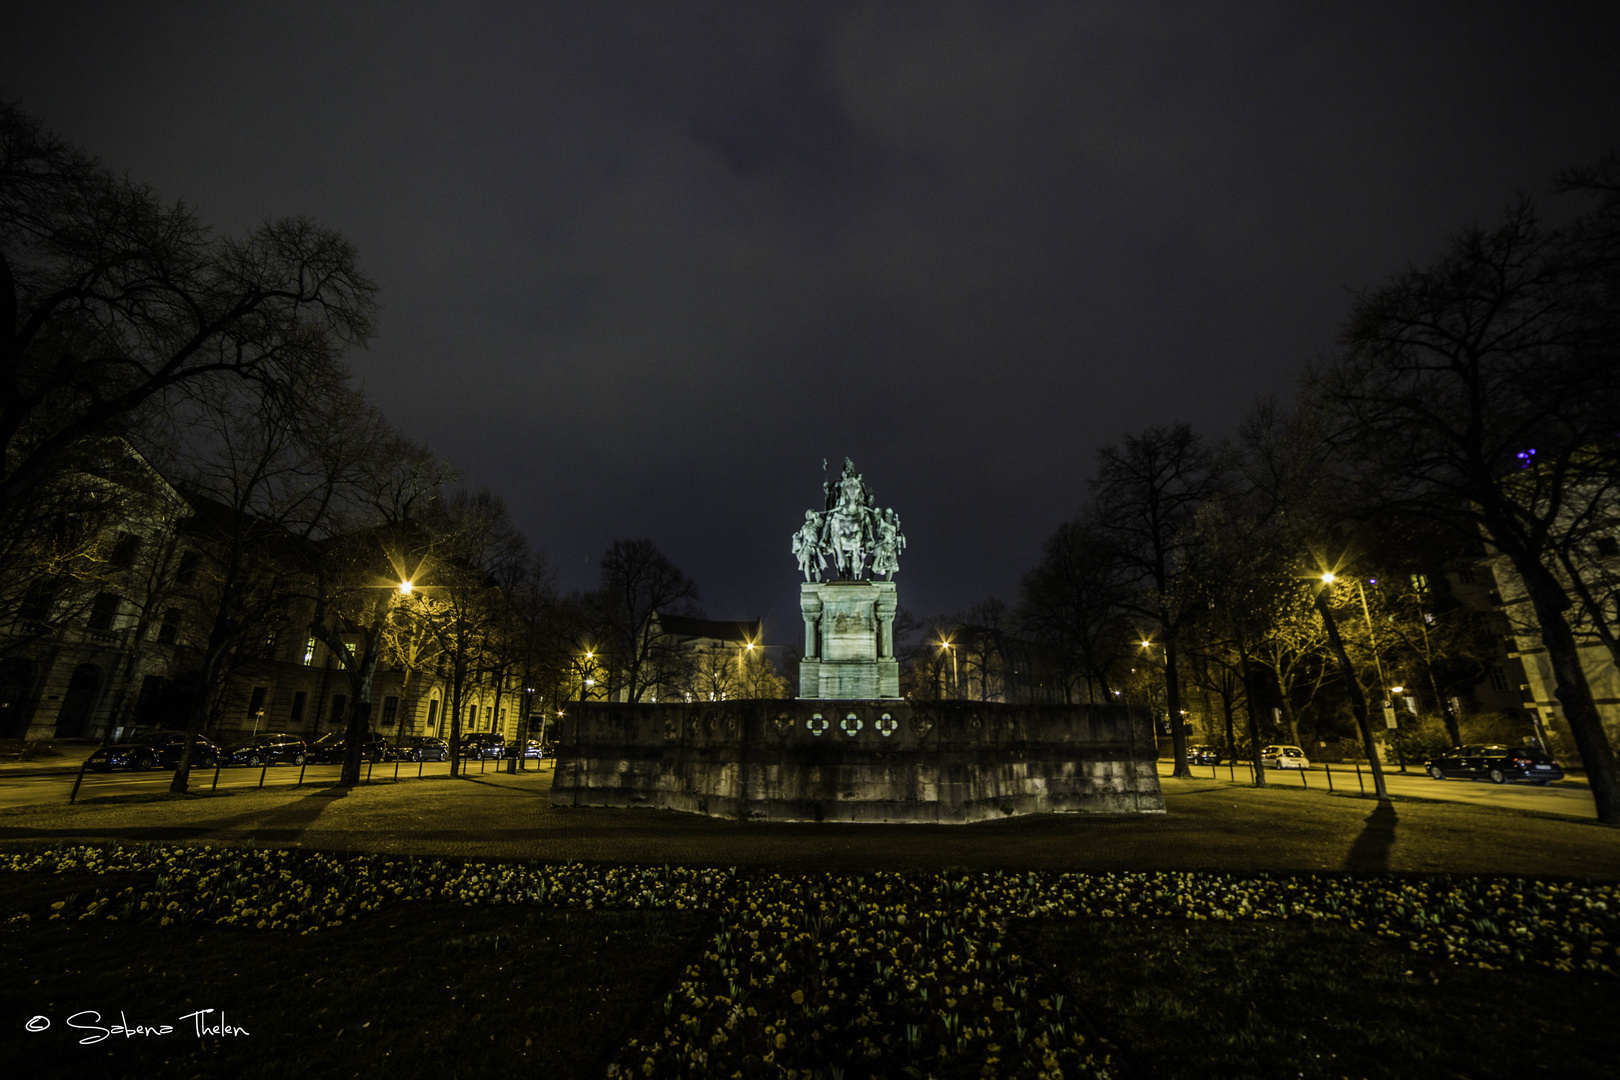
<point x="810" y="608"/>
<point x="884" y="608"/>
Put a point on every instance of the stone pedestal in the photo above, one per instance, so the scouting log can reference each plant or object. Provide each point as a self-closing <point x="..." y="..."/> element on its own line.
<point x="848" y="640"/>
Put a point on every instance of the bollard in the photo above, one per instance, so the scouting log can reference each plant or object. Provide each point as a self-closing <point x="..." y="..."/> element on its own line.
<point x="1304" y="783"/>
<point x="421" y="760"/>
<point x="1359" y="780"/>
<point x="369" y="764"/>
<point x="80" y="779"/>
<point x="396" y="767"/>
<point x="219" y="763"/>
<point x="481" y="760"/>
<point x="1329" y="770"/>
<point x="263" y="770"/>
<point x="301" y="767"/>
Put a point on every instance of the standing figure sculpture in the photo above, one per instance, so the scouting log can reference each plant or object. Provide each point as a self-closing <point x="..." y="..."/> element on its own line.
<point x="890" y="542"/>
<point x="807" y="546"/>
<point x="850" y="531"/>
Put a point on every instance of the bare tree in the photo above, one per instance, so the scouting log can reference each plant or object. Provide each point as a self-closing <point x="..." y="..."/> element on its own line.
<point x="1147" y="495"/>
<point x="1481" y="390"/>
<point x="638" y="582"/>
<point x="111" y="300"/>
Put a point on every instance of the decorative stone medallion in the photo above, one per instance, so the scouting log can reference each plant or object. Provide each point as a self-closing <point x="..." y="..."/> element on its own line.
<point x="921" y="725"/>
<point x="817" y="724"/>
<point x="783" y="723"/>
<point x="886" y="725"/>
<point x="672" y="727"/>
<point x="851" y="724"/>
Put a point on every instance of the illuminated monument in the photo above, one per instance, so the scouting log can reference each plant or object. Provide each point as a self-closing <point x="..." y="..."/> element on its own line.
<point x="849" y="621"/>
<point x="849" y="748"/>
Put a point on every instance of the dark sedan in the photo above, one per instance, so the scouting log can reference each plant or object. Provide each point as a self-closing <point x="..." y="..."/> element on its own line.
<point x="482" y="744"/>
<point x="529" y="748"/>
<point x="1203" y="755"/>
<point x="1496" y="763"/>
<point x="329" y="748"/>
<point x="268" y="750"/>
<point x="424" y="748"/>
<point x="152" y="750"/>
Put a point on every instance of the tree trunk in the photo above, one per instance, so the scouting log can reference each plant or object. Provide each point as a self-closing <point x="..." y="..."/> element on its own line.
<point x="1352" y="689"/>
<point x="1172" y="699"/>
<point x="1572" y="690"/>
<point x="1249" y="698"/>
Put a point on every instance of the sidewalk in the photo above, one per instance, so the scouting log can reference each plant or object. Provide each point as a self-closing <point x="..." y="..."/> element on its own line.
<point x="1209" y="825"/>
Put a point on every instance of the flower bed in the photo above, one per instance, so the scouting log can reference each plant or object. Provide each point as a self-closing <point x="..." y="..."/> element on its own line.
<point x="814" y="976"/>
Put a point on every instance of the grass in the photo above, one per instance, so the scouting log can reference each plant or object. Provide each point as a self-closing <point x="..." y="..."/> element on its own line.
<point x="361" y="964"/>
<point x="1197" y="1000"/>
<point x="418" y="991"/>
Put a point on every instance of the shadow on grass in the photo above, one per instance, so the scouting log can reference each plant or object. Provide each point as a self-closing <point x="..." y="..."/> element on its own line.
<point x="1370" y="852"/>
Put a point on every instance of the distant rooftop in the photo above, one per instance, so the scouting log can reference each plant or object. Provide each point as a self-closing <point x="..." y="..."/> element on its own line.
<point x="684" y="626"/>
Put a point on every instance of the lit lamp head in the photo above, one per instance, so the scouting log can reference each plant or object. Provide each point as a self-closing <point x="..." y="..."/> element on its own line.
<point x="404" y="588"/>
<point x="1329" y="577"/>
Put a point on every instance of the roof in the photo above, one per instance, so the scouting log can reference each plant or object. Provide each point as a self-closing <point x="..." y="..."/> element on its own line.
<point x="684" y="626"/>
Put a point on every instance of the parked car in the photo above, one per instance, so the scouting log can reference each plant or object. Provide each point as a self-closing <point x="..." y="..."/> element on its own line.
<point x="1497" y="763"/>
<point x="530" y="749"/>
<point x="1284" y="757"/>
<point x="330" y="747"/>
<point x="482" y="744"/>
<point x="142" y="750"/>
<point x="423" y="748"/>
<point x="273" y="749"/>
<point x="1203" y="755"/>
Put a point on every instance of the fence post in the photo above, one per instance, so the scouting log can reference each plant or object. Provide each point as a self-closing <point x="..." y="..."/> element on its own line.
<point x="301" y="769"/>
<point x="219" y="763"/>
<point x="264" y="769"/>
<point x="77" y="781"/>
<point x="1304" y="783"/>
<point x="1359" y="780"/>
<point x="1328" y="768"/>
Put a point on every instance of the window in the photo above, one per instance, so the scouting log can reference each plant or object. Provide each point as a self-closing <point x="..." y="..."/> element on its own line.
<point x="256" y="701"/>
<point x="1465" y="574"/>
<point x="1498" y="678"/>
<point x="123" y="552"/>
<point x="1420" y="583"/>
<point x="300" y="699"/>
<point x="489" y="717"/>
<point x="38" y="601"/>
<point x="309" y="651"/>
<point x="390" y="711"/>
<point x="187" y="573"/>
<point x="1608" y="546"/>
<point x="433" y="714"/>
<point x="169" y="632"/>
<point x="271" y="636"/>
<point x="472" y="716"/>
<point x="503" y="716"/>
<point x="104" y="610"/>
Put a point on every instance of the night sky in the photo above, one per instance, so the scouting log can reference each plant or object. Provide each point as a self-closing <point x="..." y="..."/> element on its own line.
<point x="645" y="265"/>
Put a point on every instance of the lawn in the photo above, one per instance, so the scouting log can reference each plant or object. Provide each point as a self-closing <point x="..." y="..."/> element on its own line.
<point x="338" y="965"/>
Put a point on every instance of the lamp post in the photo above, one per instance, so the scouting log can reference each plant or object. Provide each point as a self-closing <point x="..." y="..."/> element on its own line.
<point x="1390" y="719"/>
<point x="1352" y="686"/>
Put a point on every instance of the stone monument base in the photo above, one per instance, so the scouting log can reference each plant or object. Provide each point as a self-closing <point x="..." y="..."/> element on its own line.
<point x="872" y="761"/>
<point x="848" y="641"/>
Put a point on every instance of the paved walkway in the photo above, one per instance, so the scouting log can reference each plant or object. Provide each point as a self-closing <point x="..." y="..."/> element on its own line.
<point x="1209" y="825"/>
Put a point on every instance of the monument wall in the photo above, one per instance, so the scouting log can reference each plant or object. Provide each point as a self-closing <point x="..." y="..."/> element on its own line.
<point x="871" y="761"/>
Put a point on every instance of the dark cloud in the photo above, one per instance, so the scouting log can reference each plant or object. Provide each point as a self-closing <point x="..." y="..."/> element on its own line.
<point x="645" y="265"/>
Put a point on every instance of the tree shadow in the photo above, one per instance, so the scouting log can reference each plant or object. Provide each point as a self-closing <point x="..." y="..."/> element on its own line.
<point x="289" y="822"/>
<point x="1370" y="853"/>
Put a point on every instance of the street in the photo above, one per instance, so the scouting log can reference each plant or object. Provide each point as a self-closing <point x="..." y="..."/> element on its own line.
<point x="1569" y="797"/>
